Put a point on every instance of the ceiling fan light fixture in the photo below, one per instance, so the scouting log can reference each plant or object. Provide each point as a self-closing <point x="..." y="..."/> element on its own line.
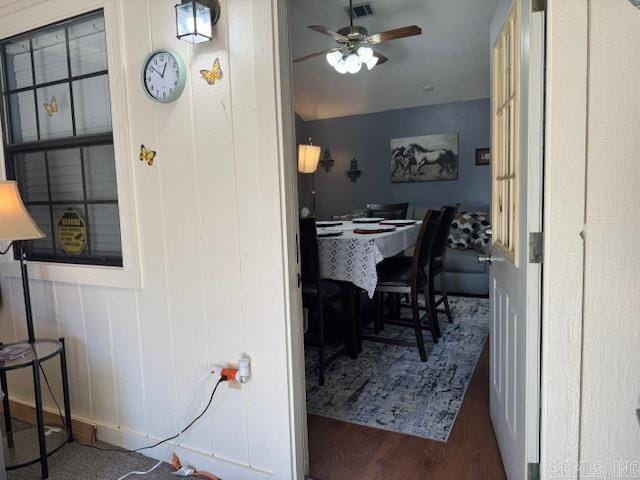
<point x="334" y="57"/>
<point x="353" y="63"/>
<point x="365" y="53"/>
<point x="341" y="66"/>
<point x="372" y="62"/>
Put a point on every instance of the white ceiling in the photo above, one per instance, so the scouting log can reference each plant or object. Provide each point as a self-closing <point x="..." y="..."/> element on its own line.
<point x="452" y="54"/>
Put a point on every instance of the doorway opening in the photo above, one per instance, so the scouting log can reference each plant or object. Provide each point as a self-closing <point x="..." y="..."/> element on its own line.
<point x="396" y="184"/>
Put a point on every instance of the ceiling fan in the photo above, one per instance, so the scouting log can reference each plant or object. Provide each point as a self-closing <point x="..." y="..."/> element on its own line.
<point x="353" y="48"/>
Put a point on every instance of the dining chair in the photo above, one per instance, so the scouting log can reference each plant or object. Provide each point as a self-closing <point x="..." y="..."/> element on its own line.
<point x="317" y="294"/>
<point x="436" y="265"/>
<point x="389" y="211"/>
<point x="410" y="275"/>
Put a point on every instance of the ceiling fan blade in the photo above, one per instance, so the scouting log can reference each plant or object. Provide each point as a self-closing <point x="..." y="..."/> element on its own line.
<point x="394" y="34"/>
<point x="324" y="30"/>
<point x="381" y="58"/>
<point x="317" y="54"/>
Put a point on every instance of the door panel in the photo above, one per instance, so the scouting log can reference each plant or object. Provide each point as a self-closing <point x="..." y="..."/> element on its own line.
<point x="518" y="63"/>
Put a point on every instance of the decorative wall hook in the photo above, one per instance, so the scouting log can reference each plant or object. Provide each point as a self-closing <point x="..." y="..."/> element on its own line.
<point x="354" y="172"/>
<point x="327" y="162"/>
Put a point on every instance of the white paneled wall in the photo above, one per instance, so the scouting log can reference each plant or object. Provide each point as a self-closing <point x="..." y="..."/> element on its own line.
<point x="211" y="253"/>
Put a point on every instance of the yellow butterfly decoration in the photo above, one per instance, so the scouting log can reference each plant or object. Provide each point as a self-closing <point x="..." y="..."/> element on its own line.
<point x="147" y="155"/>
<point x="51" y="107"/>
<point x="213" y="75"/>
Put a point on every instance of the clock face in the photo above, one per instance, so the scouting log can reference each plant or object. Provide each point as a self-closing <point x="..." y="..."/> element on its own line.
<point x="163" y="76"/>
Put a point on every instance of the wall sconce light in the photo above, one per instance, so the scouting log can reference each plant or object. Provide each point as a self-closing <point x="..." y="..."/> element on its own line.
<point x="195" y="20"/>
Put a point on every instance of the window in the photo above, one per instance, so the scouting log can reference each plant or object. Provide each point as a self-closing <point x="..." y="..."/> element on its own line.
<point x="506" y="69"/>
<point x="58" y="139"/>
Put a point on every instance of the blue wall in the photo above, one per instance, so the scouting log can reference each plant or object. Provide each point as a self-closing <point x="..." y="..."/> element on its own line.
<point x="366" y="137"/>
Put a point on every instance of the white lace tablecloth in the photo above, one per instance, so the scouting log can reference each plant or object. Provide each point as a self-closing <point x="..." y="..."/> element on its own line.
<point x="353" y="257"/>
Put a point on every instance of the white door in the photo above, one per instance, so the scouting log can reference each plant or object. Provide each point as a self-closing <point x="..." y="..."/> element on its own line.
<point x="517" y="111"/>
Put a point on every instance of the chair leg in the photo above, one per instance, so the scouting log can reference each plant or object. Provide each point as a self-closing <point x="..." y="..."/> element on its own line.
<point x="418" y="327"/>
<point x="321" y="347"/>
<point x="445" y="296"/>
<point x="376" y="313"/>
<point x="432" y="311"/>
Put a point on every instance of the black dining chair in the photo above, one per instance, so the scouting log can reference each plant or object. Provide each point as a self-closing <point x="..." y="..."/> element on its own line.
<point x="389" y="211"/>
<point x="410" y="275"/>
<point x="438" y="255"/>
<point x="317" y="294"/>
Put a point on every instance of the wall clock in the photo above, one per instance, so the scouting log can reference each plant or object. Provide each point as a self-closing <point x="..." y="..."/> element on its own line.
<point x="163" y="76"/>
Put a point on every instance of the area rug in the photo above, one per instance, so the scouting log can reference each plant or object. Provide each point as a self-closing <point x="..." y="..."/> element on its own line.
<point x="388" y="387"/>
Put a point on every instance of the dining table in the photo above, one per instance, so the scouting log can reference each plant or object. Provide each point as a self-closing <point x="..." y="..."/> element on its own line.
<point x="353" y="257"/>
<point x="350" y="251"/>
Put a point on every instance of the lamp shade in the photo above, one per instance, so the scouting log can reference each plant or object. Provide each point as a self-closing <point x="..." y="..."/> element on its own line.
<point x="15" y="221"/>
<point x="194" y="20"/>
<point x="308" y="158"/>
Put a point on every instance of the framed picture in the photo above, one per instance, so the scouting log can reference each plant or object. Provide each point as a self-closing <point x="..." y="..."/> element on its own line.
<point x="483" y="156"/>
<point x="424" y="159"/>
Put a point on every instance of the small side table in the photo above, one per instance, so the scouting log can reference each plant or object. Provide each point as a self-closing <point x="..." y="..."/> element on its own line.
<point x="40" y="352"/>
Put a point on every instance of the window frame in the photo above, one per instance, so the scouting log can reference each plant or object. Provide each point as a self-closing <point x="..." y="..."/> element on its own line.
<point x="505" y="175"/>
<point x="50" y="144"/>
<point x="129" y="275"/>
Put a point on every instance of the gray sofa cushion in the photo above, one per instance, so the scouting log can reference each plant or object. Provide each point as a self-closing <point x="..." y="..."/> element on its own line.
<point x="463" y="261"/>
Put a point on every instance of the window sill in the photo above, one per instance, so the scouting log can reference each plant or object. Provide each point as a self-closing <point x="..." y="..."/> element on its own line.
<point x="91" y="275"/>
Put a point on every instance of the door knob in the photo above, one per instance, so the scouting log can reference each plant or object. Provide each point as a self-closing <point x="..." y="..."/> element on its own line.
<point x="485" y="259"/>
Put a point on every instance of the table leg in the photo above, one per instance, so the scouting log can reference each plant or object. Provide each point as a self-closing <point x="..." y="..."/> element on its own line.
<point x="65" y="390"/>
<point x="6" y="409"/>
<point x="42" y="442"/>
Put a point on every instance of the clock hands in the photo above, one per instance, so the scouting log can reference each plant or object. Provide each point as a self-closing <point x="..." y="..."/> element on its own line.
<point x="164" y="69"/>
<point x="157" y="71"/>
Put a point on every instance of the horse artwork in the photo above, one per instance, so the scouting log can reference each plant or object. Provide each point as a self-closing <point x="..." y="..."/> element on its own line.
<point x="424" y="159"/>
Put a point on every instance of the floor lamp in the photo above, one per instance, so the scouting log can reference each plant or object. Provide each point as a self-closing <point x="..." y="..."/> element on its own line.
<point x="308" y="159"/>
<point x="16" y="226"/>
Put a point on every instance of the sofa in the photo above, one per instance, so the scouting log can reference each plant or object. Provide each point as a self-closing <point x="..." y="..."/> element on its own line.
<point x="465" y="275"/>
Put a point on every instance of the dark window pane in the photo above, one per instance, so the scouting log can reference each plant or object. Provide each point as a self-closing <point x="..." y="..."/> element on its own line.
<point x="88" y="46"/>
<point x="31" y="174"/>
<point x="104" y="233"/>
<point x="50" y="56"/>
<point x="65" y="175"/>
<point x="42" y="217"/>
<point x="92" y="105"/>
<point x="55" y="124"/>
<point x="18" y="62"/>
<point x="100" y="173"/>
<point x="23" y="117"/>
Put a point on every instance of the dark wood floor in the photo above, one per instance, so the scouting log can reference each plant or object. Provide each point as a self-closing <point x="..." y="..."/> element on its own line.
<point x="344" y="451"/>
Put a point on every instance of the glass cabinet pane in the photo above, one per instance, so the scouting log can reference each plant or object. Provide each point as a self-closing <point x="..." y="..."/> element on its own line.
<point x="17" y="57"/>
<point x="87" y="46"/>
<point x="22" y="112"/>
<point x="54" y="111"/>
<point x="50" y="56"/>
<point x="92" y="105"/>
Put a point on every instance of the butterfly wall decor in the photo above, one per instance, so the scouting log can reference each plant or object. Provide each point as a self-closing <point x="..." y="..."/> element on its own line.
<point x="51" y="107"/>
<point x="213" y="75"/>
<point x="147" y="155"/>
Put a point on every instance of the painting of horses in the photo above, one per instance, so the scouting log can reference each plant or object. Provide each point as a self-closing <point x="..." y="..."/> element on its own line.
<point x="424" y="159"/>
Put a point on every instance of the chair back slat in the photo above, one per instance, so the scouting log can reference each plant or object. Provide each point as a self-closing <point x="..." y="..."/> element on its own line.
<point x="309" y="256"/>
<point x="389" y="211"/>
<point x="440" y="242"/>
<point x="424" y="247"/>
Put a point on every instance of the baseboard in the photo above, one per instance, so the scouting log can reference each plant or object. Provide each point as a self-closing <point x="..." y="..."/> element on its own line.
<point x="83" y="431"/>
<point x="87" y="432"/>
<point x="219" y="466"/>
